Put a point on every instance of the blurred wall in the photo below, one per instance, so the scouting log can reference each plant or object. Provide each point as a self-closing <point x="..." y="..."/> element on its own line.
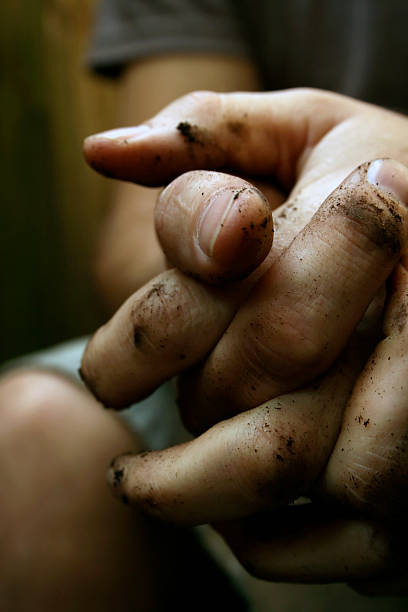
<point x="51" y="202"/>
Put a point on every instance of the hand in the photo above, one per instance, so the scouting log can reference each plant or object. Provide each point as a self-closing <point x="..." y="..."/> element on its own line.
<point x="327" y="221"/>
<point x="355" y="529"/>
<point x="264" y="458"/>
<point x="128" y="254"/>
<point x="308" y="141"/>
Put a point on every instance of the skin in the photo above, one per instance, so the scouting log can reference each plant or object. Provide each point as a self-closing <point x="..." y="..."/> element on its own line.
<point x="55" y="512"/>
<point x="292" y="136"/>
<point x="128" y="253"/>
<point x="65" y="543"/>
<point x="343" y="125"/>
<point x="49" y="417"/>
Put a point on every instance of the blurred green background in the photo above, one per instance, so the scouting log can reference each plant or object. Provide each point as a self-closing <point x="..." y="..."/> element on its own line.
<point x="51" y="202"/>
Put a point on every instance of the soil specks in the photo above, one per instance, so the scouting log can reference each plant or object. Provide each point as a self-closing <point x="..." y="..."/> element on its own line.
<point x="289" y="444"/>
<point x="117" y="477"/>
<point x="193" y="134"/>
<point x="137" y="336"/>
<point x="187" y="130"/>
<point x="236" y="127"/>
<point x="372" y="210"/>
<point x="362" y="421"/>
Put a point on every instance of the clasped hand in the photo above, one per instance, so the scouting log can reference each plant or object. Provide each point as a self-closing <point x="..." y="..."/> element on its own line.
<point x="292" y="357"/>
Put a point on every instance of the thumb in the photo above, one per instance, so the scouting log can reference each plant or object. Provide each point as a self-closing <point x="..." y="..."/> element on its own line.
<point x="214" y="226"/>
<point x="302" y="312"/>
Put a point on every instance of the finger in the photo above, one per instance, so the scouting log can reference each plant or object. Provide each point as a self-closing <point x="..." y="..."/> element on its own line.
<point x="174" y="321"/>
<point x="301" y="313"/>
<point x="142" y="348"/>
<point x="165" y="327"/>
<point x="214" y="226"/>
<point x="257" y="134"/>
<point x="308" y="544"/>
<point x="368" y="469"/>
<point x="259" y="459"/>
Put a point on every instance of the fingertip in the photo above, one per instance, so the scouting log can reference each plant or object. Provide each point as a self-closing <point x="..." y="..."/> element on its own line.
<point x="391" y="177"/>
<point x="96" y="151"/>
<point x="148" y="481"/>
<point x="119" y="476"/>
<point x="113" y="478"/>
<point x="214" y="226"/>
<point x="236" y="231"/>
<point x="115" y="475"/>
<point x="127" y="154"/>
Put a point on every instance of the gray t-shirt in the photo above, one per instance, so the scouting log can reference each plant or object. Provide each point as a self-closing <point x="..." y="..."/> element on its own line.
<point x="355" y="47"/>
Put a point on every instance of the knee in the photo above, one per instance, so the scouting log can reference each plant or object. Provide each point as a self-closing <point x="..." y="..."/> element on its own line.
<point x="31" y="399"/>
<point x="47" y="412"/>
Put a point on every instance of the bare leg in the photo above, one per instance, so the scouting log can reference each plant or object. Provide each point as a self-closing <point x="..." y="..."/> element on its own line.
<point x="65" y="544"/>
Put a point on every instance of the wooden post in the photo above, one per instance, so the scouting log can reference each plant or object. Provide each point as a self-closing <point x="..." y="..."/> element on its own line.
<point x="52" y="203"/>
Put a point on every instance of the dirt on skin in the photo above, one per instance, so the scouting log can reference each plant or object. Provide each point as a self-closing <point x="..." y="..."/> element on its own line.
<point x="379" y="214"/>
<point x="191" y="133"/>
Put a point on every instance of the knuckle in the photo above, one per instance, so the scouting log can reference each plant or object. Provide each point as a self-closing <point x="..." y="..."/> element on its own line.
<point x="323" y="101"/>
<point x="202" y="97"/>
<point x="161" y="313"/>
<point x="158" y="332"/>
<point x="307" y="92"/>
<point x="201" y="101"/>
<point x="284" y="478"/>
<point x="283" y="352"/>
<point x="314" y="96"/>
<point x="279" y="464"/>
<point x="307" y="351"/>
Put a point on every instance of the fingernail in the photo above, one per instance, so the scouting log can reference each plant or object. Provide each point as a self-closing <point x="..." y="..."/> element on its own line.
<point x="128" y="134"/>
<point x="391" y="177"/>
<point x="218" y="213"/>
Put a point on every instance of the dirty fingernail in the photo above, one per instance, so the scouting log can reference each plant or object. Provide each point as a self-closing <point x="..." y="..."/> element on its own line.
<point x="220" y="211"/>
<point x="391" y="177"/>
